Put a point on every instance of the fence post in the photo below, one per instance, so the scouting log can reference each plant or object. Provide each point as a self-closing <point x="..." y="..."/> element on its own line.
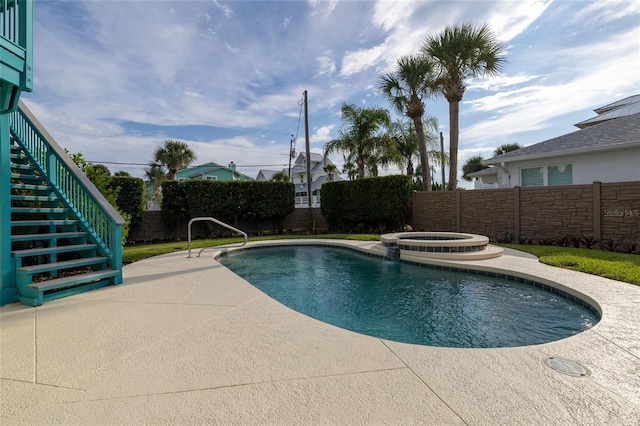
<point x="597" y="220"/>
<point x="458" y="211"/>
<point x="516" y="211"/>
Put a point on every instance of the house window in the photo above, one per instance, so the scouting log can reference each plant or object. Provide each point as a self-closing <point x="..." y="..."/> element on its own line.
<point x="532" y="177"/>
<point x="211" y="177"/>
<point x="560" y="175"/>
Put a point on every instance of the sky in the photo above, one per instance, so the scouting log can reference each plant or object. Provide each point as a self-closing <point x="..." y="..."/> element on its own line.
<point x="115" y="79"/>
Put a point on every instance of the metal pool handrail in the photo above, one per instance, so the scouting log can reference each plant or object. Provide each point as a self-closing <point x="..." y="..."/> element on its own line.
<point x="211" y="219"/>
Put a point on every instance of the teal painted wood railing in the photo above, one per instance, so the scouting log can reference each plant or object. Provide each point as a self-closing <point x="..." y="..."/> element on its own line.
<point x="76" y="191"/>
<point x="16" y="51"/>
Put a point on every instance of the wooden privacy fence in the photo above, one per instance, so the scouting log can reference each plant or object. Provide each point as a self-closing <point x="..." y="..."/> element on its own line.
<point x="604" y="211"/>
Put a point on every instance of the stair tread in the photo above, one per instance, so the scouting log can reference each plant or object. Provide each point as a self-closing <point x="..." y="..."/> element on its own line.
<point x="57" y="249"/>
<point x="30" y="186"/>
<point x="17" y="166"/>
<point x="47" y="236"/>
<point x="43" y="222"/>
<point x="45" y="267"/>
<point x="74" y="279"/>
<point x="34" y="197"/>
<point x="21" y="176"/>
<point x="39" y="210"/>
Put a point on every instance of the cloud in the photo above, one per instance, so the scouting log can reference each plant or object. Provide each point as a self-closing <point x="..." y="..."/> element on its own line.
<point x="322" y="134"/>
<point x="322" y="7"/>
<point x="113" y="82"/>
<point x="326" y="65"/>
<point x="231" y="49"/>
<point x="225" y="8"/>
<point x="357" y="61"/>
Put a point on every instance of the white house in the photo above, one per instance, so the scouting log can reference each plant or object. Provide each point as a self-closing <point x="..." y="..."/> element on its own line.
<point x="321" y="172"/>
<point x="606" y="149"/>
<point x="485" y="178"/>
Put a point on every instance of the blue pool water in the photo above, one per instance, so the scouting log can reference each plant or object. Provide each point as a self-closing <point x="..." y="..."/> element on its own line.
<point x="409" y="303"/>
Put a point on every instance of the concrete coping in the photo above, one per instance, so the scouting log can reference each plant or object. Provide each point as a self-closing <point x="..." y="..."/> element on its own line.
<point x="435" y="239"/>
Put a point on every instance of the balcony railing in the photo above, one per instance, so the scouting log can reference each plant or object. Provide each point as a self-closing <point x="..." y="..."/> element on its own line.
<point x="16" y="51"/>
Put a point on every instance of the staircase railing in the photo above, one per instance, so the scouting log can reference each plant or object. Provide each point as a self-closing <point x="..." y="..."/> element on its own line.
<point x="95" y="213"/>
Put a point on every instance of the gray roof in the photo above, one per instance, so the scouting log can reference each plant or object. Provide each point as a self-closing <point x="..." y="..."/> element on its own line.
<point x="489" y="171"/>
<point x="315" y="158"/>
<point x="302" y="187"/>
<point x="621" y="111"/>
<point x="268" y="174"/>
<point x="617" y="104"/>
<point x="621" y="133"/>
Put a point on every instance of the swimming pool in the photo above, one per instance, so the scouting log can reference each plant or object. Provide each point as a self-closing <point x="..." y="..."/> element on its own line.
<point x="409" y="303"/>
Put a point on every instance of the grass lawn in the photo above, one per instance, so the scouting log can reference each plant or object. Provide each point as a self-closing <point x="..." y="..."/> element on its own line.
<point x="617" y="266"/>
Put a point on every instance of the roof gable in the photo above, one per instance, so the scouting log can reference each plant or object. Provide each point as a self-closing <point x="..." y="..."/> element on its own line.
<point x="315" y="158"/>
<point x="212" y="169"/>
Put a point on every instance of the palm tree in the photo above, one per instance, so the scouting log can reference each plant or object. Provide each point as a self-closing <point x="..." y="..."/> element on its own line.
<point x="331" y="170"/>
<point x="462" y="52"/>
<point x="362" y="138"/>
<point x="349" y="168"/>
<point x="472" y="165"/>
<point x="156" y="176"/>
<point x="406" y="140"/>
<point x="404" y="136"/>
<point x="280" y="177"/>
<point x="413" y="81"/>
<point x="504" y="148"/>
<point x="174" y="155"/>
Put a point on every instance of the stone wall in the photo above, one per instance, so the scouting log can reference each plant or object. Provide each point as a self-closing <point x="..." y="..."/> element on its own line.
<point x="154" y="228"/>
<point x="605" y="211"/>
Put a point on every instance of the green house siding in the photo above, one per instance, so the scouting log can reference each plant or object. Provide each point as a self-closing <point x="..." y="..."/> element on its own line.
<point x="211" y="171"/>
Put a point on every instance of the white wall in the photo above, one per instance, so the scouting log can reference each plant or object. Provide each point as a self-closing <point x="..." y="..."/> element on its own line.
<point x="613" y="166"/>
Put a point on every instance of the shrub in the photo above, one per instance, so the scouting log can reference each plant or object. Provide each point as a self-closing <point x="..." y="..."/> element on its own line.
<point x="631" y="249"/>
<point x="589" y="242"/>
<point x="130" y="195"/>
<point x="371" y="203"/>
<point x="545" y="242"/>
<point x="507" y="238"/>
<point x="566" y="241"/>
<point x="610" y="245"/>
<point x="228" y="201"/>
<point x="174" y="203"/>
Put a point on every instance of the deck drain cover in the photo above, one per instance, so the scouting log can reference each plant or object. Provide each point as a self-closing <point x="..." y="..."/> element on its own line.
<point x="568" y="367"/>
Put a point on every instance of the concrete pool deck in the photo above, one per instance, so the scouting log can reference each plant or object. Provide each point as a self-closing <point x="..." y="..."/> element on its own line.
<point x="186" y="341"/>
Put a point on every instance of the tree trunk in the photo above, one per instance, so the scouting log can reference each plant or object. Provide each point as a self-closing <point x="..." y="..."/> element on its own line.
<point x="424" y="159"/>
<point x="454" y="110"/>
<point x="360" y="162"/>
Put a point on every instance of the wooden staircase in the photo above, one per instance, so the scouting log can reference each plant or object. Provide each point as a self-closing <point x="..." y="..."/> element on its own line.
<point x="58" y="234"/>
<point x="54" y="249"/>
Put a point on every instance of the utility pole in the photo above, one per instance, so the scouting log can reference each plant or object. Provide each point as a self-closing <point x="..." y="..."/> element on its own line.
<point x="442" y="158"/>
<point x="291" y="154"/>
<point x="306" y="139"/>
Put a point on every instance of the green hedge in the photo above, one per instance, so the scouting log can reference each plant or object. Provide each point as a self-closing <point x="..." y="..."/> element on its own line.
<point x="130" y="197"/>
<point x="367" y="204"/>
<point x="228" y="201"/>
